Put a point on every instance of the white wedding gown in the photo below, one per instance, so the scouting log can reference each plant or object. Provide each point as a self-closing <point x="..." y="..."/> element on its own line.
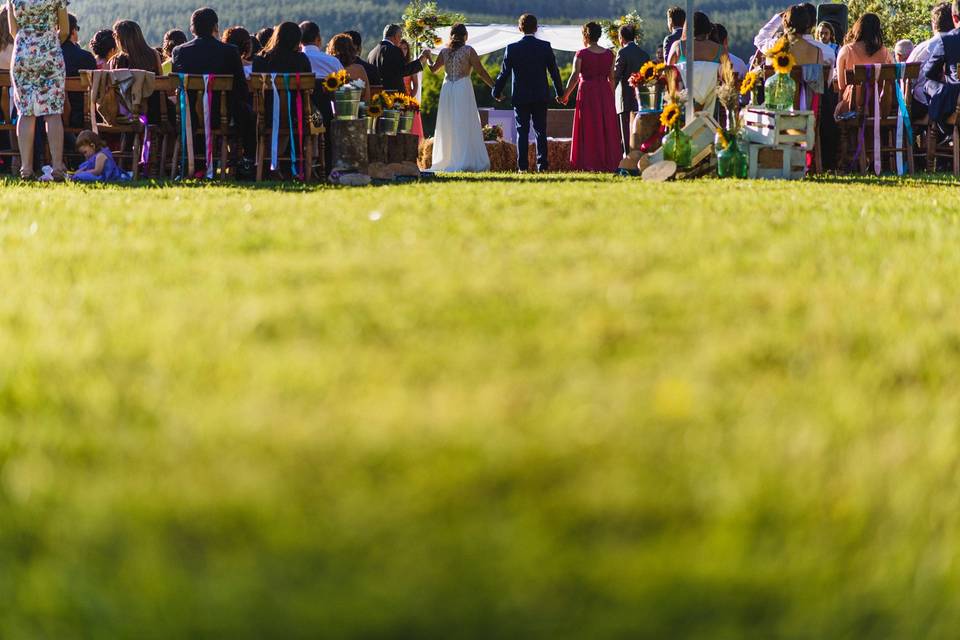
<point x="458" y="142"/>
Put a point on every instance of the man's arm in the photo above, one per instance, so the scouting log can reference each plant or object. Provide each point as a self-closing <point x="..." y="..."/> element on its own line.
<point x="767" y="37"/>
<point x="554" y="71"/>
<point x="506" y="69"/>
<point x="935" y="67"/>
<point x="620" y="67"/>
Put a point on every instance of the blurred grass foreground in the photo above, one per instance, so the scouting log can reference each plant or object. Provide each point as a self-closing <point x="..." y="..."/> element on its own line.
<point x="517" y="408"/>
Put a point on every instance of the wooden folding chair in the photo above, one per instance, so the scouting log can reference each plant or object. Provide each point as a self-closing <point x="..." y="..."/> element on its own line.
<point x="165" y="131"/>
<point x="262" y="86"/>
<point x="221" y="88"/>
<point x="74" y="123"/>
<point x="7" y="123"/>
<point x="888" y="115"/>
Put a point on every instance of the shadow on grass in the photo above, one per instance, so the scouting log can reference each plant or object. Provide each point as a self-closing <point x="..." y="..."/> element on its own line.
<point x="887" y="180"/>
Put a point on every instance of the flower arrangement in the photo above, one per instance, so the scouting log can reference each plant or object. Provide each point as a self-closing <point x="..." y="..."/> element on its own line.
<point x="421" y="21"/>
<point x="384" y="100"/>
<point x="780" y="89"/>
<point x="650" y="73"/>
<point x="492" y="133"/>
<point x="784" y="62"/>
<point x="612" y="27"/>
<point x="749" y="82"/>
<point x="335" y="80"/>
<point x="670" y="118"/>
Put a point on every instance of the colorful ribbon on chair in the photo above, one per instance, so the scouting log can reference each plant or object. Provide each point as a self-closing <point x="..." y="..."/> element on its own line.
<point x="208" y="125"/>
<point x="275" y="132"/>
<point x="186" y="131"/>
<point x="903" y="120"/>
<point x="145" y="152"/>
<point x="876" y="119"/>
<point x="293" y="141"/>
<point x="303" y="168"/>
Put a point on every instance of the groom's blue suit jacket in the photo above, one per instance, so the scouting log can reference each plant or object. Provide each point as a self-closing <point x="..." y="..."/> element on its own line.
<point x="528" y="62"/>
<point x="941" y="69"/>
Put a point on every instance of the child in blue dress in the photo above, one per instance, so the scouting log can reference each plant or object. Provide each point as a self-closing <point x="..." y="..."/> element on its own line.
<point x="99" y="165"/>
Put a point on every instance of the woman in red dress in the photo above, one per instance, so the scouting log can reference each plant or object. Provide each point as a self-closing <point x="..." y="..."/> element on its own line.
<point x="596" y="128"/>
<point x="410" y="84"/>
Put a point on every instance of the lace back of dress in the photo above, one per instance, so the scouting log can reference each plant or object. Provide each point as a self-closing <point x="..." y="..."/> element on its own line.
<point x="458" y="63"/>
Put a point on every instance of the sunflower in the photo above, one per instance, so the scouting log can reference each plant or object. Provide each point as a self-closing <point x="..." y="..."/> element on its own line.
<point x="648" y="71"/>
<point x="660" y="68"/>
<point x="784" y="63"/>
<point x="437" y="42"/>
<point x="749" y="83"/>
<point x="670" y="115"/>
<point x="331" y="82"/>
<point x="722" y="140"/>
<point x="777" y="49"/>
<point x="374" y="111"/>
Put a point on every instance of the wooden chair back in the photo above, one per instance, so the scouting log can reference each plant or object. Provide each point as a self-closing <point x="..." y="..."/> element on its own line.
<point x="885" y="79"/>
<point x="222" y="87"/>
<point x="797" y="76"/>
<point x="6" y="102"/>
<point x="77" y="86"/>
<point x="262" y="86"/>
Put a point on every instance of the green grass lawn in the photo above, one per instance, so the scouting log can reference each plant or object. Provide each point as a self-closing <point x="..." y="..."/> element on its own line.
<point x="564" y="408"/>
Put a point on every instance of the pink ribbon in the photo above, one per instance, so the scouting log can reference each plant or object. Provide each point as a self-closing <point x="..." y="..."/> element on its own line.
<point x="876" y="119"/>
<point x="207" y="123"/>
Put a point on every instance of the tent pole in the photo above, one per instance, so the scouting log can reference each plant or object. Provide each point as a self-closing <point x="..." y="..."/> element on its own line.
<point x="688" y="81"/>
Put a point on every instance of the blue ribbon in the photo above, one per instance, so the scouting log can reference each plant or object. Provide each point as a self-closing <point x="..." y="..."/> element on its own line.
<point x="183" y="124"/>
<point x="293" y="140"/>
<point x="904" y="113"/>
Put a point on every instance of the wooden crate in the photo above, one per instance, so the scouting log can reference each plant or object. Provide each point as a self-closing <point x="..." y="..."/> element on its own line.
<point x="702" y="131"/>
<point x="777" y="162"/>
<point x="781" y="127"/>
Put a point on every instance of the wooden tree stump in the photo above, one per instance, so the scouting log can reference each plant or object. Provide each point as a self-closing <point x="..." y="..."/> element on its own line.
<point x="377" y="148"/>
<point x="402" y="147"/>
<point x="348" y="144"/>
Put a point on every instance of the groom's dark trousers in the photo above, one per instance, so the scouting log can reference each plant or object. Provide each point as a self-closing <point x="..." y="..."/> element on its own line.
<point x="528" y="62"/>
<point x="524" y="114"/>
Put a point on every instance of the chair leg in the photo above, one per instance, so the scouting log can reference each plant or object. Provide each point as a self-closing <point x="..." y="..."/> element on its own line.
<point x="135" y="155"/>
<point x="261" y="160"/>
<point x="956" y="150"/>
<point x="223" y="157"/>
<point x="174" y="159"/>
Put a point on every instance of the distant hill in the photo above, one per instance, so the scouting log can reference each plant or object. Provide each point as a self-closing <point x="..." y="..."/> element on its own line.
<point x="741" y="17"/>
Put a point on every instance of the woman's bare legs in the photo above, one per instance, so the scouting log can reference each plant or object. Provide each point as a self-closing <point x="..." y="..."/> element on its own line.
<point x="55" y="140"/>
<point x="26" y="126"/>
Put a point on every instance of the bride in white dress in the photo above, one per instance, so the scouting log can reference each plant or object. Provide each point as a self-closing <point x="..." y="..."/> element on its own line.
<point x="458" y="142"/>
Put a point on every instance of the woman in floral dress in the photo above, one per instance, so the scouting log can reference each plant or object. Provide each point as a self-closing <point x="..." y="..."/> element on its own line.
<point x="39" y="76"/>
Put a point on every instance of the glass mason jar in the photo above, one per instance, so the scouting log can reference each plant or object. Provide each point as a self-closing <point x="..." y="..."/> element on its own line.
<point x="779" y="92"/>
<point x="677" y="147"/>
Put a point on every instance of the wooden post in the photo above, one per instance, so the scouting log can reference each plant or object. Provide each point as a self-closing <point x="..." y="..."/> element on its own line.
<point x="348" y="142"/>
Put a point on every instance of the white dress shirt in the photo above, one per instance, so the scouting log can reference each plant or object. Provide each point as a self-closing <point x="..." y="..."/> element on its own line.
<point x="921" y="53"/>
<point x="321" y="63"/>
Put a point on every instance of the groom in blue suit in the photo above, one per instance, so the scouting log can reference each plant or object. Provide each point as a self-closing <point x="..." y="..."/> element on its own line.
<point x="529" y="61"/>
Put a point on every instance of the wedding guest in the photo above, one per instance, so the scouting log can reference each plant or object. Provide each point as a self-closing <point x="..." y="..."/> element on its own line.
<point x="864" y="45"/>
<point x="103" y="46"/>
<point x="133" y="52"/>
<point x="75" y="60"/>
<point x="243" y="41"/>
<point x="6" y="40"/>
<point x="676" y="19"/>
<point x="939" y="71"/>
<point x="902" y="50"/>
<point x="796" y="24"/>
<point x="412" y="88"/>
<point x="720" y="36"/>
<point x="630" y="58"/>
<point x="171" y="40"/>
<point x="941" y="22"/>
<point x="341" y="47"/>
<point x="660" y="54"/>
<point x="828" y="35"/>
<point x="322" y="63"/>
<point x="205" y="54"/>
<point x="99" y="165"/>
<point x="829" y="53"/>
<point x="263" y="37"/>
<point x="388" y="59"/>
<point x="708" y="56"/>
<point x="371" y="69"/>
<point x="596" y="127"/>
<point x="282" y="54"/>
<point x="39" y="76"/>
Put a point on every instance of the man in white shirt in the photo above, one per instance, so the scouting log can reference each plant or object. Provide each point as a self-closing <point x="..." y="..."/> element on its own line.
<point x="310" y="40"/>
<point x="941" y="20"/>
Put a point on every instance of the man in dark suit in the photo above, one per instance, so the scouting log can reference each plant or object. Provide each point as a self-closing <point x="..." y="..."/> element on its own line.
<point x="528" y="62"/>
<point x="629" y="60"/>
<point x="390" y="63"/>
<point x="676" y="18"/>
<point x="373" y="75"/>
<point x="940" y="72"/>
<point x="76" y="60"/>
<point x="205" y="54"/>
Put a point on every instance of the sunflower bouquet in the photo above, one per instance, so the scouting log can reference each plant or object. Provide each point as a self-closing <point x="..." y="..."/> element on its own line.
<point x="729" y="144"/>
<point x="780" y="89"/>
<point x="612" y="27"/>
<point x="421" y="20"/>
<point x="335" y="80"/>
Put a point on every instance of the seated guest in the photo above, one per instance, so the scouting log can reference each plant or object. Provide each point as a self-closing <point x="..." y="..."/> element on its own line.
<point x="282" y="54"/>
<point x="205" y="54"/>
<point x="6" y="41"/>
<point x="864" y="46"/>
<point x="75" y="60"/>
<point x="388" y="58"/>
<point x="796" y="25"/>
<point x="940" y="70"/>
<point x="103" y="46"/>
<point x="773" y="31"/>
<point x="721" y="37"/>
<point x="827" y="35"/>
<point x="323" y="64"/>
<point x="243" y="41"/>
<point x="902" y="50"/>
<point x="171" y="40"/>
<point x="941" y="21"/>
<point x="676" y="19"/>
<point x="708" y="56"/>
<point x="341" y="47"/>
<point x="371" y="69"/>
<point x="133" y="52"/>
<point x="263" y="37"/>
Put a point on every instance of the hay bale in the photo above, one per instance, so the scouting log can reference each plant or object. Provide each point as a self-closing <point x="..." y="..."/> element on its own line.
<point x="425" y="155"/>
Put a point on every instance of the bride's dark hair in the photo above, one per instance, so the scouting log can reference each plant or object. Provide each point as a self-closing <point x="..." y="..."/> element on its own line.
<point x="458" y="36"/>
